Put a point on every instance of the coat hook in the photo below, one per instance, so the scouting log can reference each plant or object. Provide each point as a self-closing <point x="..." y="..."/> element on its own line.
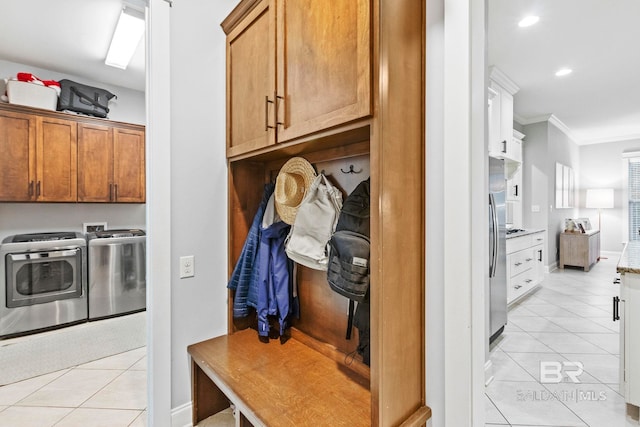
<point x="350" y="170"/>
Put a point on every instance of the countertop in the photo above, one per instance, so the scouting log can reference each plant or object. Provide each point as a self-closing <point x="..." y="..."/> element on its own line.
<point x="524" y="233"/>
<point x="630" y="258"/>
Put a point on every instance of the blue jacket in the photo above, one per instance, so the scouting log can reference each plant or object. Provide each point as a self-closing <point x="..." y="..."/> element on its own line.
<point x="244" y="279"/>
<point x="273" y="271"/>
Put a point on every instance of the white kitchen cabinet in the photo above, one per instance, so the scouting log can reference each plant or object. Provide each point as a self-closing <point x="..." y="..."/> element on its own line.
<point x="501" y="91"/>
<point x="525" y="264"/>
<point x="514" y="185"/>
<point x="629" y="310"/>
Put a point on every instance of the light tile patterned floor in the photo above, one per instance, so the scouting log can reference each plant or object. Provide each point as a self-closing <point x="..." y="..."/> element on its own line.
<point x="568" y="319"/>
<point x="109" y="392"/>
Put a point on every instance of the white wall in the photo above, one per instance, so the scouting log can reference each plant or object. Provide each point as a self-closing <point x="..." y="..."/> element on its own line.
<point x="36" y="217"/>
<point x="198" y="181"/>
<point x="129" y="107"/>
<point x="435" y="316"/>
<point x="601" y="166"/>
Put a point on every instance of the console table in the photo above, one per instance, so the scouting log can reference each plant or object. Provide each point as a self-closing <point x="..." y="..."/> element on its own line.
<point x="579" y="249"/>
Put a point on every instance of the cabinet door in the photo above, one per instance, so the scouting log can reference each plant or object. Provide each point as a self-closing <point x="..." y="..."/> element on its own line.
<point x="538" y="253"/>
<point x="324" y="65"/>
<point x="514" y="186"/>
<point x="57" y="148"/>
<point x="128" y="166"/>
<point x="251" y="81"/>
<point x="95" y="163"/>
<point x="514" y="150"/>
<point x="496" y="147"/>
<point x="17" y="161"/>
<point x="506" y="116"/>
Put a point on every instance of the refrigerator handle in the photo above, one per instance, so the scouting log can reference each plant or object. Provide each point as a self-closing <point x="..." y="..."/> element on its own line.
<point x="494" y="227"/>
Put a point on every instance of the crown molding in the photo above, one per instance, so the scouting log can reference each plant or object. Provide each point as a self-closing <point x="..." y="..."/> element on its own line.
<point x="550" y="118"/>
<point x="567" y="131"/>
<point x="606" y="139"/>
<point x="503" y="80"/>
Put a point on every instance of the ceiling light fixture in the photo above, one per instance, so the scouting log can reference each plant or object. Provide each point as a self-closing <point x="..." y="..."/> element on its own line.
<point x="563" y="72"/>
<point x="126" y="38"/>
<point x="528" y="21"/>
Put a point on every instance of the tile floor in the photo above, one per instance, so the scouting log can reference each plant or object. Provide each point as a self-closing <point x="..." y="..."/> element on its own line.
<point x="568" y="319"/>
<point x="109" y="392"/>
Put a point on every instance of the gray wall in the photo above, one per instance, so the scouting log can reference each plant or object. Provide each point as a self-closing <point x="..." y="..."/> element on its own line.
<point x="545" y="144"/>
<point x="563" y="150"/>
<point x="602" y="166"/>
<point x="129" y="107"/>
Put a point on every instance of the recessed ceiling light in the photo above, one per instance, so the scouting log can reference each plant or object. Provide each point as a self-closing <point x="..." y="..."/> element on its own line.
<point x="528" y="21"/>
<point x="563" y="72"/>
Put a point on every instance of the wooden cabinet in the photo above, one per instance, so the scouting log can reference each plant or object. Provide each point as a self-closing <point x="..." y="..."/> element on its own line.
<point x="56" y="160"/>
<point x="353" y="86"/>
<point x="49" y="156"/>
<point x="525" y="264"/>
<point x="580" y="249"/>
<point x="110" y="164"/>
<point x="18" y="159"/>
<point x="295" y="69"/>
<point x="38" y="160"/>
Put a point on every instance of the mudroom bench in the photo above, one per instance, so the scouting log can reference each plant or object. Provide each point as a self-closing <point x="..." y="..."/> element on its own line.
<point x="275" y="384"/>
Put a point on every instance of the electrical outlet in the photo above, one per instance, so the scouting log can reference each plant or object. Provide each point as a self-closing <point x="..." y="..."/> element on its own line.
<point x="535" y="208"/>
<point x="187" y="266"/>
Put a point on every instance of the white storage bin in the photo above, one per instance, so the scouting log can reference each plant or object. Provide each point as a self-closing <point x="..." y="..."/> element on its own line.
<point x="32" y="95"/>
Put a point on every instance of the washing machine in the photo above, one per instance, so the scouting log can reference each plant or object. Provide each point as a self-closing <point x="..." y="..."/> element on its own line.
<point x="116" y="263"/>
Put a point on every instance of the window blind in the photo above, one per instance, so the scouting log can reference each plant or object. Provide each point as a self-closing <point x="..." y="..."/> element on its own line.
<point x="634" y="198"/>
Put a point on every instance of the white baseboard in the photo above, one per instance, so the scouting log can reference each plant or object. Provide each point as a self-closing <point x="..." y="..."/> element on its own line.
<point x="181" y="416"/>
<point x="488" y="372"/>
<point x="551" y="267"/>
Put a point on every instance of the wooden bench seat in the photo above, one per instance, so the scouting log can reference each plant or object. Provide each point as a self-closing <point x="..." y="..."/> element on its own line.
<point x="275" y="384"/>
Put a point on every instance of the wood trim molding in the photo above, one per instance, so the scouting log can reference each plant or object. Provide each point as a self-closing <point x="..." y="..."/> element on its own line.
<point x="237" y="14"/>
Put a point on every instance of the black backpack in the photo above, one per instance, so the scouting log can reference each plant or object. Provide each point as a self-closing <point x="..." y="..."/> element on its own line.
<point x="348" y="270"/>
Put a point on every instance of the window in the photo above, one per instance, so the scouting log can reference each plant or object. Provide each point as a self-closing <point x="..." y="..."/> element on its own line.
<point x="634" y="198"/>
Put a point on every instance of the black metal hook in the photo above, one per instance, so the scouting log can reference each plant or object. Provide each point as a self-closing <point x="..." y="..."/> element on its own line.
<point x="350" y="170"/>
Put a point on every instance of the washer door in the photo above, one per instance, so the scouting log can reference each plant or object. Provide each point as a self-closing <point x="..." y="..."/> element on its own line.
<point x="40" y="277"/>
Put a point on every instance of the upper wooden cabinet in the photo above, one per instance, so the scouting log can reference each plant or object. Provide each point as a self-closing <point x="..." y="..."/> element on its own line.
<point x="38" y="160"/>
<point x="294" y="69"/>
<point x="56" y="160"/>
<point x="18" y="159"/>
<point x="56" y="157"/>
<point x="110" y="164"/>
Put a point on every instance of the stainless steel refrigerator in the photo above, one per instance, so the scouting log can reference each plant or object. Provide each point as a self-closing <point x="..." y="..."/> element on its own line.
<point x="497" y="251"/>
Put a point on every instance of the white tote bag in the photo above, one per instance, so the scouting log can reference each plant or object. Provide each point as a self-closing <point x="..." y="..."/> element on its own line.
<point x="315" y="222"/>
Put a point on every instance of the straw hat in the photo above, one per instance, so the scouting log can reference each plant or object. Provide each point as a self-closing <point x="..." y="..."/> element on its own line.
<point x="292" y="182"/>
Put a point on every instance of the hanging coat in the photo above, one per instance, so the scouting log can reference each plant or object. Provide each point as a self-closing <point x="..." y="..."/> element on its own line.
<point x="273" y="271"/>
<point x="244" y="279"/>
